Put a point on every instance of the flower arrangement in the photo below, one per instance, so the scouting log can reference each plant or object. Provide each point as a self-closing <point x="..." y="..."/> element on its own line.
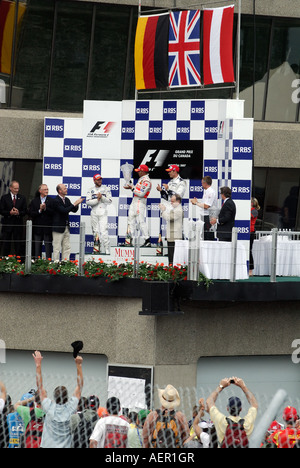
<point x="98" y="268"/>
<point x="11" y="264"/>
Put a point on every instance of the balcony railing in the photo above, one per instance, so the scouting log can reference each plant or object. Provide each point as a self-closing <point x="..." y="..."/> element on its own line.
<point x="276" y="253"/>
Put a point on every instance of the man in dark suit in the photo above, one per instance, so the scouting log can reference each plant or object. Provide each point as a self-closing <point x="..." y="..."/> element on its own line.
<point x="226" y="217"/>
<point x="13" y="208"/>
<point x="62" y="206"/>
<point x="41" y="212"/>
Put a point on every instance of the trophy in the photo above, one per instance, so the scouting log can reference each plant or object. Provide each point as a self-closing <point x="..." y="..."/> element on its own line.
<point x="127" y="172"/>
<point x="213" y="214"/>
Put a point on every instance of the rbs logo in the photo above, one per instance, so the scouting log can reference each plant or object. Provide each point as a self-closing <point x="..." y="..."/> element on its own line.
<point x="73" y="148"/>
<point x="197" y="110"/>
<point x="211" y="130"/>
<point x="90" y="167"/>
<point x="155" y="130"/>
<point x="54" y="128"/>
<point x="211" y="168"/>
<point x="243" y="228"/>
<point x="53" y="166"/>
<point x="142" y="111"/>
<point x="73" y="185"/>
<point x="170" y="110"/>
<point x="242" y="149"/>
<point x="241" y="189"/>
<point x="128" y="130"/>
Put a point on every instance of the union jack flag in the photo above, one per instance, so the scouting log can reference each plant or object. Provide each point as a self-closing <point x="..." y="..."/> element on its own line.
<point x="184" y="48"/>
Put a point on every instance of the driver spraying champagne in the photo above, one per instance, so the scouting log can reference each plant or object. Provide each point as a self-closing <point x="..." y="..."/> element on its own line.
<point x="137" y="210"/>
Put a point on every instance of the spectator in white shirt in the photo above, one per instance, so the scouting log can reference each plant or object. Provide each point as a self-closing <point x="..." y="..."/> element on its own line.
<point x="2" y="396"/>
<point x="209" y="200"/>
<point x="57" y="427"/>
<point x="111" y="431"/>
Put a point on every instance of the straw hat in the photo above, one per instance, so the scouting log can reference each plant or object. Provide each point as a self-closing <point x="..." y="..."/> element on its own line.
<point x="169" y="397"/>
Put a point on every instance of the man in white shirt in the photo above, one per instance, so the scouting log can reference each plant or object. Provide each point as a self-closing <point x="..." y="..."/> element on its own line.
<point x="99" y="198"/>
<point x="57" y="428"/>
<point x="2" y="396"/>
<point x="209" y="200"/>
<point x="111" y="431"/>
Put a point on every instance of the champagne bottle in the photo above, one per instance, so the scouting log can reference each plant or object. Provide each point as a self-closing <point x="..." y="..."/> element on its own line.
<point x="96" y="249"/>
<point x="128" y="240"/>
<point x="159" y="247"/>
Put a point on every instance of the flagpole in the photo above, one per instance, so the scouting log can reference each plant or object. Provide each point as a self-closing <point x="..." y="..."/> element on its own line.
<point x="238" y="59"/>
<point x="139" y="14"/>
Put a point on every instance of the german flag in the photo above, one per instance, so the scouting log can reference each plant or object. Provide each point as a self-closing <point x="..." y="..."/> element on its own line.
<point x="7" y="24"/>
<point x="151" y="52"/>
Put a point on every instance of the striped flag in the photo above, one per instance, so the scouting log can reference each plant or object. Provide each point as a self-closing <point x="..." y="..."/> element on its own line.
<point x="151" y="52"/>
<point x="217" y="45"/>
<point x="7" y="20"/>
<point x="184" y="48"/>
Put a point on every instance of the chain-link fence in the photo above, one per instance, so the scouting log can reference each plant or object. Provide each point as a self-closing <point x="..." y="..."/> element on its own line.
<point x="182" y="418"/>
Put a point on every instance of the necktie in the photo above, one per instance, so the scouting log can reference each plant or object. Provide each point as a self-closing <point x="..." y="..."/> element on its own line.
<point x="14" y="200"/>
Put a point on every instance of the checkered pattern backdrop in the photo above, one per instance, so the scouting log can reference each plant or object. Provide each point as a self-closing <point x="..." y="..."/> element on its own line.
<point x="71" y="158"/>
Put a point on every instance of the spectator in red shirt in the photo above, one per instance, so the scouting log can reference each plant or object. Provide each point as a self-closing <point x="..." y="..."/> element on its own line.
<point x="291" y="434"/>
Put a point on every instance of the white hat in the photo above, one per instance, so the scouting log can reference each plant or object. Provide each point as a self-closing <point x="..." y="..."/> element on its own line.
<point x="169" y="397"/>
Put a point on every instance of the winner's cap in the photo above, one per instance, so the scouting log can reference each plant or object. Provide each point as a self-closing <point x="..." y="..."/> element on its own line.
<point x="174" y="167"/>
<point x="143" y="168"/>
<point x="97" y="177"/>
<point x="290" y="414"/>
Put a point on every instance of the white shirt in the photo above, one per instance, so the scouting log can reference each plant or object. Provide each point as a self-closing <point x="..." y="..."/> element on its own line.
<point x="209" y="198"/>
<point x="113" y="426"/>
<point x="2" y="404"/>
<point x="57" y="430"/>
<point x="176" y="186"/>
<point x="99" y="207"/>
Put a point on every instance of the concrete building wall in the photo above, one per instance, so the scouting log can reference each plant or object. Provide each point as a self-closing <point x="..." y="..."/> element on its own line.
<point x="173" y="345"/>
<point x="288" y="8"/>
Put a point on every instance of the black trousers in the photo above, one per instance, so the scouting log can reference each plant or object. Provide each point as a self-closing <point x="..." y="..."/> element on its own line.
<point x="207" y="234"/>
<point x="251" y="260"/>
<point x="38" y="239"/>
<point x="171" y="250"/>
<point x="13" y="241"/>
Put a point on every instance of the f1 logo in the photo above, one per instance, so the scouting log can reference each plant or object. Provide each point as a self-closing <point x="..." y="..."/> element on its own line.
<point x="155" y="158"/>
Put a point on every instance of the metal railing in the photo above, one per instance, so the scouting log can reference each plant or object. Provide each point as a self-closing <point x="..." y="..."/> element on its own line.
<point x="270" y="244"/>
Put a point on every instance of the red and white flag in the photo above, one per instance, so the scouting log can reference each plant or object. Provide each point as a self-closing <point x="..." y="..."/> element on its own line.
<point x="217" y="45"/>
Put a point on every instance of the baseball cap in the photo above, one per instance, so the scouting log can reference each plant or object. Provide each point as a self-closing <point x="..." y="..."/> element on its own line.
<point x="97" y="177"/>
<point x="235" y="402"/>
<point x="102" y="412"/>
<point x="142" y="167"/>
<point x="290" y="414"/>
<point x="26" y="396"/>
<point x="143" y="415"/>
<point x="173" y="167"/>
<point x="274" y="427"/>
<point x="93" y="402"/>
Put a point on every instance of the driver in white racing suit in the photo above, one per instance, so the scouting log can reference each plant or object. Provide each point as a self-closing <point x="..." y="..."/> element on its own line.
<point x="99" y="197"/>
<point x="138" y="207"/>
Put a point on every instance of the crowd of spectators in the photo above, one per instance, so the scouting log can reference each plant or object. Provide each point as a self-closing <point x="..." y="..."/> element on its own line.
<point x="37" y="421"/>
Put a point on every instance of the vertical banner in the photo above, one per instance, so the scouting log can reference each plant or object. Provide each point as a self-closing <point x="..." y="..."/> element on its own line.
<point x="184" y="48"/>
<point x="217" y="45"/>
<point x="102" y="129"/>
<point x="151" y="52"/>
